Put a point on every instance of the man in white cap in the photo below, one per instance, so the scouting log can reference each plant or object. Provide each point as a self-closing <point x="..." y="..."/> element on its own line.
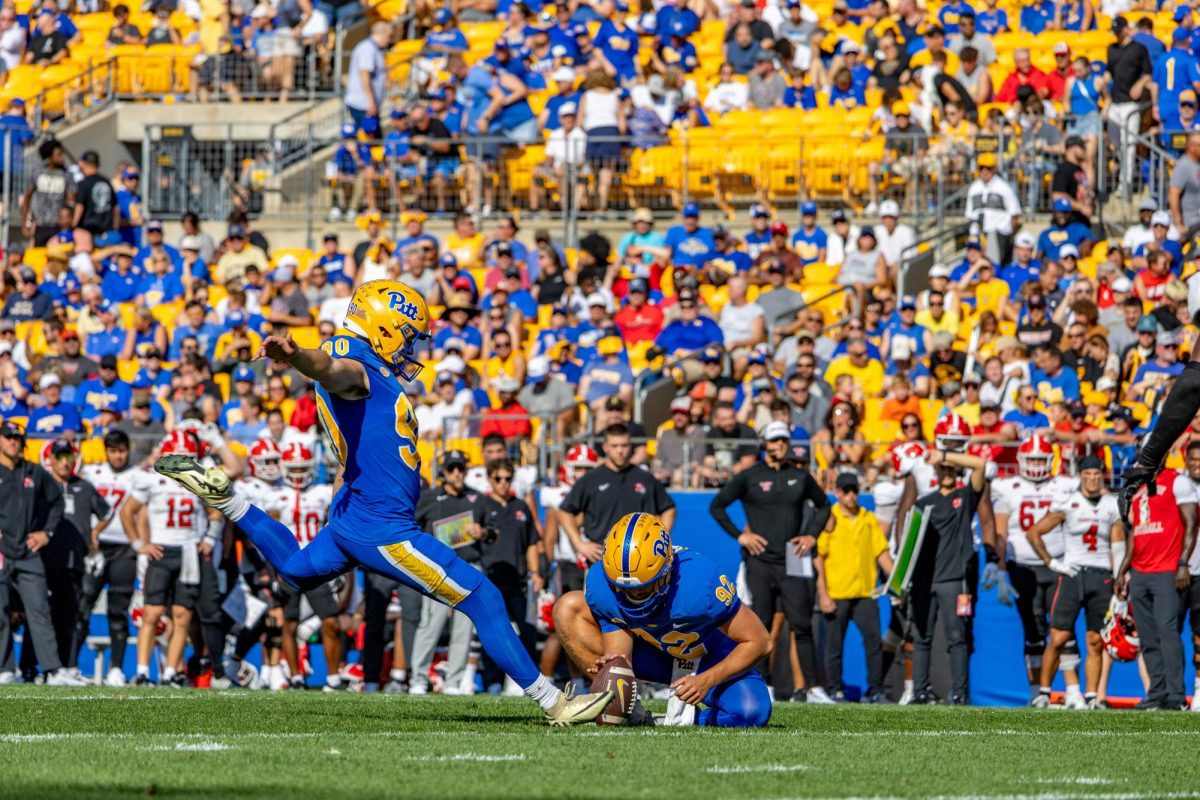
<point x="288" y="304"/>
<point x="565" y="149"/>
<point x="1140" y="234"/>
<point x="893" y="236"/>
<point x="1024" y="267"/>
<point x="993" y="205"/>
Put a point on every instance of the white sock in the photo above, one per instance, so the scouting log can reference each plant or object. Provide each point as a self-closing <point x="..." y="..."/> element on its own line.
<point x="168" y="673"/>
<point x="400" y="675"/>
<point x="143" y="669"/>
<point x="333" y="680"/>
<point x="234" y="508"/>
<point x="1197" y="684"/>
<point x="544" y="692"/>
<point x="908" y="685"/>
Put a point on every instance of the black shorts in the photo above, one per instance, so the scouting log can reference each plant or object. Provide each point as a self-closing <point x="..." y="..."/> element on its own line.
<point x="570" y="577"/>
<point x="1034" y="585"/>
<point x="323" y="599"/>
<point x="162" y="586"/>
<point x="1090" y="590"/>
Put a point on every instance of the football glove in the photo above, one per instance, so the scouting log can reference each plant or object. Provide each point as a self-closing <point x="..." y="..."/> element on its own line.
<point x="1137" y="477"/>
<point x="1070" y="570"/>
<point x="1005" y="592"/>
<point x="991" y="574"/>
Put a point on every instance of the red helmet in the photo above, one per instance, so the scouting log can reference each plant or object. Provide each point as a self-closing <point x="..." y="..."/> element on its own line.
<point x="181" y="442"/>
<point x="61" y="445"/>
<point x="299" y="466"/>
<point x="951" y="433"/>
<point x="904" y="453"/>
<point x="579" y="456"/>
<point x="545" y="611"/>
<point x="1119" y="634"/>
<point x="263" y="460"/>
<point x="1035" y="458"/>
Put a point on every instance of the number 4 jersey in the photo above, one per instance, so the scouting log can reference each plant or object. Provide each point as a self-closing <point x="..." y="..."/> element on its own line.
<point x="1025" y="502"/>
<point x="687" y="624"/>
<point x="1087" y="528"/>
<point x="176" y="516"/>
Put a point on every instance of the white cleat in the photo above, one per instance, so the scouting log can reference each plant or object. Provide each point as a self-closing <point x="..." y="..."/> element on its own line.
<point x="1075" y="701"/>
<point x="64" y="677"/>
<point x="1195" y="704"/>
<point x="9" y="678"/>
<point x="210" y="485"/>
<point x="418" y="687"/>
<point x="1041" y="701"/>
<point x="819" y="696"/>
<point x="116" y="677"/>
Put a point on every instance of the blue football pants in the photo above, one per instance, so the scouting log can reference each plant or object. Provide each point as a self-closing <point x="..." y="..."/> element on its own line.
<point x="411" y="557"/>
<point x="741" y="702"/>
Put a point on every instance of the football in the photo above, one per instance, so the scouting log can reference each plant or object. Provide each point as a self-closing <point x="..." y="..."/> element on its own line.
<point x="616" y="675"/>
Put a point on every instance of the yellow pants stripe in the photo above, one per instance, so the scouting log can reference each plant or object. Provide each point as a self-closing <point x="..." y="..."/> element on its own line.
<point x="325" y="413"/>
<point x="425" y="573"/>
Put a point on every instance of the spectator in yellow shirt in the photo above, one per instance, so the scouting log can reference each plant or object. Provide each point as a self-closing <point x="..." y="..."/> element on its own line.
<point x="848" y="558"/>
<point x="990" y="291"/>
<point x="866" y="372"/>
<point x="465" y="243"/>
<point x="937" y="317"/>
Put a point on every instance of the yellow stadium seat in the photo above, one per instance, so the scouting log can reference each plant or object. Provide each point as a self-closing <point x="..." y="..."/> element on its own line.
<point x="127" y="369"/>
<point x="303" y="255"/>
<point x="307" y="336"/>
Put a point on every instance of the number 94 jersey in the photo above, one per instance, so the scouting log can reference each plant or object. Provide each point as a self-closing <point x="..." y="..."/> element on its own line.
<point x="687" y="624"/>
<point x="1026" y="502"/>
<point x="1086" y="528"/>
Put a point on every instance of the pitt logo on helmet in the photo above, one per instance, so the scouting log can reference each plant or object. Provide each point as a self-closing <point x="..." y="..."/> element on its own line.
<point x="637" y="559"/>
<point x="392" y="317"/>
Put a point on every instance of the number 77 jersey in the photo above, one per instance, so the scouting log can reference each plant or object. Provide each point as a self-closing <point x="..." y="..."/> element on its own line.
<point x="1087" y="528"/>
<point x="1024" y="503"/>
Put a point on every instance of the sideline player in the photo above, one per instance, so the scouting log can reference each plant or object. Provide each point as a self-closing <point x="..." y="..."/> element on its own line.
<point x="1020" y="501"/>
<point x="117" y="548"/>
<point x="669" y="611"/>
<point x="1190" y="598"/>
<point x="371" y="424"/>
<point x="1094" y="548"/>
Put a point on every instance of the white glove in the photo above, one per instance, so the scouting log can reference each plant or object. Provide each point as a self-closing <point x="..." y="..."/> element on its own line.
<point x="1005" y="592"/>
<point x="210" y="434"/>
<point x="1063" y="569"/>
<point x="991" y="573"/>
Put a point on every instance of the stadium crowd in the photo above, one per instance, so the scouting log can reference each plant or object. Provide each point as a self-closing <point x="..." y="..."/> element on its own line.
<point x="117" y="345"/>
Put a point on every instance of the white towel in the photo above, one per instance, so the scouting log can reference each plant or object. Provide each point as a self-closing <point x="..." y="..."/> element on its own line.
<point x="189" y="571"/>
<point x="680" y="713"/>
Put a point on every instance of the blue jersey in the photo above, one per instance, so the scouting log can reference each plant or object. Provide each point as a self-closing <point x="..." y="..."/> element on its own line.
<point x="556" y="102"/>
<point x="93" y="397"/>
<point x="1176" y="72"/>
<point x="1054" y="237"/>
<point x="375" y="439"/>
<point x="808" y="245"/>
<point x="1036" y="17"/>
<point x="119" y="288"/>
<point x="687" y="623"/>
<point x="689" y="249"/>
<point x="990" y="22"/>
<point x="620" y="47"/>
<point x="1026" y="423"/>
<point x="804" y="98"/>
<point x="1016" y="276"/>
<point x="950" y="15"/>
<point x="667" y="16"/>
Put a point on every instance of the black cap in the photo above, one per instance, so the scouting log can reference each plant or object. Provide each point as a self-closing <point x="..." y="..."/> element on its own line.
<point x="331" y="237"/>
<point x="10" y="428"/>
<point x="512" y="272"/>
<point x="454" y="457"/>
<point x="1091" y="462"/>
<point x="61" y="447"/>
<point x="504" y="249"/>
<point x="639" y="285"/>
<point x="846" y="480"/>
<point x="1075" y="141"/>
<point x="1077" y="409"/>
<point x="90" y="157"/>
<point x="614" y="403"/>
<point x="108" y="362"/>
<point x="989" y="405"/>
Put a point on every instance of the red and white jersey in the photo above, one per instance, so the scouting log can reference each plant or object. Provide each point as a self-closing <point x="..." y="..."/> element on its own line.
<point x="115" y="487"/>
<point x="176" y="516"/>
<point x="887" y="495"/>
<point x="304" y="511"/>
<point x="1025" y="502"/>
<point x="259" y="492"/>
<point x="1087" y="529"/>
<point x="908" y="458"/>
<point x="552" y="497"/>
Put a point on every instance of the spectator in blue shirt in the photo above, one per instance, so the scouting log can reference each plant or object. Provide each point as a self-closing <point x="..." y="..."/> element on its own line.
<point x="1025" y="416"/>
<point x="1025" y="267"/>
<point x="1050" y="374"/>
<point x="414" y="225"/>
<point x="338" y="266"/>
<point x="506" y="233"/>
<point x="1160" y="225"/>
<point x="29" y="302"/>
<point x="161" y="285"/>
<point x="205" y="333"/>
<point x="1063" y="231"/>
<point x="401" y="159"/>
<point x="103" y="391"/>
<point x="617" y="45"/>
<point x="758" y="238"/>
<point x="54" y="416"/>
<point x="1176" y="72"/>
<point x="1153" y="375"/>
<point x="447" y="38"/>
<point x="675" y="50"/>
<point x="122" y="283"/>
<point x="129" y="205"/>
<point x="1146" y="38"/>
<point x="457" y="316"/>
<point x="568" y="32"/>
<point x="800" y="94"/>
<point x="906" y="327"/>
<point x="606" y="375"/>
<point x="689" y="242"/>
<point x="351" y="159"/>
<point x="677" y="16"/>
<point x="950" y="13"/>
<point x="690" y="333"/>
<point x="111" y="339"/>
<point x="810" y="241"/>
<point x="991" y="20"/>
<point x="156" y="244"/>
<point x="564" y="82"/>
<point x="1037" y="16"/>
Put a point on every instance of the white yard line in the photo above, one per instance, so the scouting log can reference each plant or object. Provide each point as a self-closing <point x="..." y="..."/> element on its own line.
<point x="752" y="768"/>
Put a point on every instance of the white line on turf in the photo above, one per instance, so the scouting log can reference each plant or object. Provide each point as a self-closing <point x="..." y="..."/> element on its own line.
<point x="745" y="769"/>
<point x="483" y="758"/>
<point x="193" y="747"/>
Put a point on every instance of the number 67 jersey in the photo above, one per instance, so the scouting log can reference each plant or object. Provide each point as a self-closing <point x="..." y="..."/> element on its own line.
<point x="1086" y="528"/>
<point x="1025" y="502"/>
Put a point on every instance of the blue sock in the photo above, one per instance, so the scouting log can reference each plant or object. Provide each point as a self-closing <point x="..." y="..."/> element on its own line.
<point x="270" y="536"/>
<point x="485" y="607"/>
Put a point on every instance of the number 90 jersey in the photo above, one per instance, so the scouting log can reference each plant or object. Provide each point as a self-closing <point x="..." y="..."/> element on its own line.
<point x="1025" y="502"/>
<point x="687" y="623"/>
<point x="375" y="439"/>
<point x="1086" y="528"/>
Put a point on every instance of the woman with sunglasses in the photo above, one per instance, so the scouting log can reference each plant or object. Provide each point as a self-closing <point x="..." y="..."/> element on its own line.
<point x="840" y="444"/>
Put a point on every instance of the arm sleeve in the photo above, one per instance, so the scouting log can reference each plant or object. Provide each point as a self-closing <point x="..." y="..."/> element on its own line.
<point x="1185" y="490"/>
<point x="729" y="492"/>
<point x="1000" y="499"/>
<point x="820" y="502"/>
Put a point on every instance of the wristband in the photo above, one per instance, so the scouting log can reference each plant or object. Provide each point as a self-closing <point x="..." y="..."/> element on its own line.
<point x="137" y="545"/>
<point x="990" y="555"/>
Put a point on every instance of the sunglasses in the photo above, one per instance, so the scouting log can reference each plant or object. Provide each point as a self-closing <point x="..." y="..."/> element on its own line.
<point x="907" y="425"/>
<point x="455" y="468"/>
<point x="502" y="478"/>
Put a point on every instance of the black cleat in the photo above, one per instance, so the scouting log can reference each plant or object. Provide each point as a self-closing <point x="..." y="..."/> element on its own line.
<point x="1135" y="478"/>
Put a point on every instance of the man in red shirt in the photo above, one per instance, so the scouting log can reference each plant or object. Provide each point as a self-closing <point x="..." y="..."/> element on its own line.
<point x="1056" y="79"/>
<point x="994" y="439"/>
<point x="1025" y="74"/>
<point x="509" y="419"/>
<point x="637" y="320"/>
<point x="1074" y="433"/>
<point x="1153" y="572"/>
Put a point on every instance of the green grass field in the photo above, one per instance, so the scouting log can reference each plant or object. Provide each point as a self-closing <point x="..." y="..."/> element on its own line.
<point x="98" y="743"/>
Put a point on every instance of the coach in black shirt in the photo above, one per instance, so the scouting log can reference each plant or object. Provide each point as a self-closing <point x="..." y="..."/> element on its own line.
<point x="1130" y="67"/>
<point x="609" y="492"/>
<point x="774" y="494"/>
<point x="450" y="499"/>
<point x="31" y="507"/>
<point x="940" y="585"/>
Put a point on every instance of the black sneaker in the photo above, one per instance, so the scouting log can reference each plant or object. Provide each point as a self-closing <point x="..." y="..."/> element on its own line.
<point x="1148" y="705"/>
<point x="141" y="680"/>
<point x="876" y="699"/>
<point x="925" y="698"/>
<point x="799" y="696"/>
<point x="838" y="697"/>
<point x="178" y="681"/>
<point x="297" y="682"/>
<point x="959" y="700"/>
